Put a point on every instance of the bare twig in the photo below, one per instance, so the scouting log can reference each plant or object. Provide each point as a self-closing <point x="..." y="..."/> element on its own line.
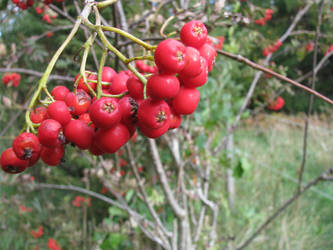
<point x="86" y="34"/>
<point x="143" y="226"/>
<point x="314" y="182"/>
<point x="37" y="73"/>
<point x="179" y="212"/>
<point x="273" y="73"/>
<point x="313" y="85"/>
<point x="144" y="194"/>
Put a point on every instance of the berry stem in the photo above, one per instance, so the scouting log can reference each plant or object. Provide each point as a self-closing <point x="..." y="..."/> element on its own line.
<point x="150" y="58"/>
<point x="87" y="45"/>
<point x="105" y="3"/>
<point x="115" y="96"/>
<point x="99" y="75"/>
<point x="165" y="24"/>
<point x="127" y="35"/>
<point x="43" y="81"/>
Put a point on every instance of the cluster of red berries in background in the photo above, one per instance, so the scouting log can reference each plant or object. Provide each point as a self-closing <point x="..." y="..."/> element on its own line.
<point x="12" y="79"/>
<point x="272" y="48"/>
<point x="309" y="47"/>
<point x="277" y="104"/>
<point x="29" y="3"/>
<point x="268" y="16"/>
<point x="104" y="125"/>
<point x="23" y="4"/>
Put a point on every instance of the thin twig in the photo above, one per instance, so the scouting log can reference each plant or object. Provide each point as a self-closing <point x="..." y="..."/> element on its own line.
<point x="313" y="85"/>
<point x="179" y="212"/>
<point x="273" y="73"/>
<point x="143" y="192"/>
<point x="37" y="73"/>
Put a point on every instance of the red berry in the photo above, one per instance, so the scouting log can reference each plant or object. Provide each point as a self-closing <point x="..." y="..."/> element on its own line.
<point x="118" y="84"/>
<point x="112" y="139"/>
<point x="145" y="68"/>
<point x="162" y="86"/>
<point x="38" y="115"/>
<point x="105" y="112"/>
<point x="277" y="104"/>
<point x="107" y="75"/>
<point x="135" y="87"/>
<point x="27" y="147"/>
<point x="79" y="133"/>
<point x="30" y="3"/>
<point x="153" y="113"/>
<point x="194" y="33"/>
<point x="309" y="47"/>
<point x="208" y="52"/>
<point x="59" y="93"/>
<point x="78" y="103"/>
<point x="86" y="118"/>
<point x="16" y="79"/>
<point x="11" y="164"/>
<point x="59" y="111"/>
<point x="39" y="10"/>
<point x="186" y="101"/>
<point x="175" y="119"/>
<point x="128" y="108"/>
<point x="52" y="156"/>
<point x="197" y="81"/>
<point x="7" y="78"/>
<point x="47" y="18"/>
<point x="94" y="149"/>
<point x="170" y="56"/>
<point x="261" y="21"/>
<point x="192" y="63"/>
<point x="154" y="133"/>
<point x="81" y="84"/>
<point x="49" y="133"/>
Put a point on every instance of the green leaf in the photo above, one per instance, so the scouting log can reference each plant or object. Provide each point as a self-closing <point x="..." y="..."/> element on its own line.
<point x="238" y="171"/>
<point x="114" y="211"/>
<point x="3" y="4"/>
<point x="200" y="141"/>
<point x="113" y="241"/>
<point x="129" y="195"/>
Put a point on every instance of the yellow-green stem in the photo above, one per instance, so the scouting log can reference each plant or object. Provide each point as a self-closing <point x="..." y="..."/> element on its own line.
<point x="106" y="3"/>
<point x="150" y="58"/>
<point x="115" y="96"/>
<point x="43" y="81"/>
<point x="99" y="75"/>
<point x="120" y="55"/>
<point x="127" y="35"/>
<point x="87" y="45"/>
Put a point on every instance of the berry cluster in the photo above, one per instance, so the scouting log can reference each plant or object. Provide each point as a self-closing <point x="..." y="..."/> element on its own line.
<point x="47" y="14"/>
<point x="23" y="4"/>
<point x="309" y="47"/>
<point x="103" y="125"/>
<point x="272" y="48"/>
<point x="268" y="16"/>
<point x="29" y="3"/>
<point x="277" y="104"/>
<point x="12" y="79"/>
